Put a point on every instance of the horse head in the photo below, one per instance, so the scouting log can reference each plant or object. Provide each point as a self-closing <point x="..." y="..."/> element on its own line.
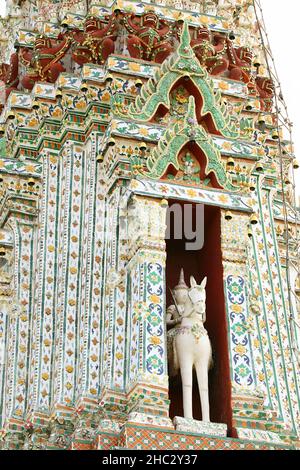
<point x="197" y="295"/>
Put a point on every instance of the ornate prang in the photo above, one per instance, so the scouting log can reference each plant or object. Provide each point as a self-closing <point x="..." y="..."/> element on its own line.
<point x="235" y="241"/>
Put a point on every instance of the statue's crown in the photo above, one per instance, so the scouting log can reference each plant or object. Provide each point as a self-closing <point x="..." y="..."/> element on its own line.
<point x="181" y="284"/>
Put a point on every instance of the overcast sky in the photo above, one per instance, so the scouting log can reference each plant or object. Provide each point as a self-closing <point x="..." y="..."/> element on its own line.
<point x="282" y="26"/>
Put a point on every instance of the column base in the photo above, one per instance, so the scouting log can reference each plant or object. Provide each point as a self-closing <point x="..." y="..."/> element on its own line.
<point x="109" y="425"/>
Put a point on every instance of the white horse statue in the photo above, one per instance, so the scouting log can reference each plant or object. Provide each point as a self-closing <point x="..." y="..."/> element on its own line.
<point x="192" y="348"/>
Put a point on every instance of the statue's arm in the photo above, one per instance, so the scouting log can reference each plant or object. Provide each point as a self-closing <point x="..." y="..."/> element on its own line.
<point x="172" y="316"/>
<point x="164" y="28"/>
<point x="112" y="26"/>
<point x="131" y="25"/>
<point x="171" y="322"/>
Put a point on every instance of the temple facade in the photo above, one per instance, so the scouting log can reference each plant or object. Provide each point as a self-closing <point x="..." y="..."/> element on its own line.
<point x="114" y="114"/>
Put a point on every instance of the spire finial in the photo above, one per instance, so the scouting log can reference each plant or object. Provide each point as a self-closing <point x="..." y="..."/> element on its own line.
<point x="191" y="113"/>
<point x="185" y="49"/>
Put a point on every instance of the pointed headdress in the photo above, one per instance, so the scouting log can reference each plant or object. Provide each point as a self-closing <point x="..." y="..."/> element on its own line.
<point x="181" y="284"/>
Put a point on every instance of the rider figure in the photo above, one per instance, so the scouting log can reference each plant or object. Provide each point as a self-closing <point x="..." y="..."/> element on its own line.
<point x="174" y="317"/>
<point x="174" y="312"/>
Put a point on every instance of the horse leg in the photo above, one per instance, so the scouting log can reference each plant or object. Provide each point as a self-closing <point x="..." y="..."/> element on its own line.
<point x="202" y="377"/>
<point x="186" y="371"/>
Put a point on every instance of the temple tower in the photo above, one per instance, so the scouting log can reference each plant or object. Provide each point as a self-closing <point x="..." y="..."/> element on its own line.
<point x="116" y="115"/>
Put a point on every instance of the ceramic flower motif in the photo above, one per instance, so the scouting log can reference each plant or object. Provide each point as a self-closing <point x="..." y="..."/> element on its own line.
<point x="140" y="310"/>
<point x="154" y="278"/>
<point x="155" y="365"/>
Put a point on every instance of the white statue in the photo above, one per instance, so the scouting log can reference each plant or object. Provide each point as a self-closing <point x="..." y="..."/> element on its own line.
<point x="191" y="345"/>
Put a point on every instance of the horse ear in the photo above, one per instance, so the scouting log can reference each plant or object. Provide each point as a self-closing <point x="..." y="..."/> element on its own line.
<point x="204" y="282"/>
<point x="193" y="281"/>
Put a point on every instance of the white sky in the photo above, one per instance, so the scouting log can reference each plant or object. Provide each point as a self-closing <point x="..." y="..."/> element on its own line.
<point x="282" y="22"/>
<point x="2" y="7"/>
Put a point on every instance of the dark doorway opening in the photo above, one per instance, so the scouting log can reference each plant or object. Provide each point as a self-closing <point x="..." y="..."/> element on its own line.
<point x="200" y="263"/>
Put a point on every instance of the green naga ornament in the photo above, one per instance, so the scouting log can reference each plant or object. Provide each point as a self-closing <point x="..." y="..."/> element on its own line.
<point x="183" y="64"/>
<point x="181" y="67"/>
<point x="176" y="138"/>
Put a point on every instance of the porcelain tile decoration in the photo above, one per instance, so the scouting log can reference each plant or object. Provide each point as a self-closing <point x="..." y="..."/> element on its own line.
<point x="149" y="237"/>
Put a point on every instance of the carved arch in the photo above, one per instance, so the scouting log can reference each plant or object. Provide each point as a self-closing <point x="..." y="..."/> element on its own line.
<point x="174" y="140"/>
<point x="183" y="64"/>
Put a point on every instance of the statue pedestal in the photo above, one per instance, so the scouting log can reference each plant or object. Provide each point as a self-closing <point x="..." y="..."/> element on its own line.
<point x="200" y="427"/>
<point x="143" y="419"/>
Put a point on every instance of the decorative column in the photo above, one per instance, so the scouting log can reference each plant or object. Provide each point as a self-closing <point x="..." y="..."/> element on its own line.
<point x="68" y="335"/>
<point x="6" y="294"/>
<point x="18" y="215"/>
<point x="113" y="317"/>
<point x="91" y="364"/>
<point x="146" y="373"/>
<point x="241" y="310"/>
<point x="44" y="312"/>
<point x="234" y="252"/>
<point x="20" y="324"/>
<point x="278" y="378"/>
<point x="261" y="396"/>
